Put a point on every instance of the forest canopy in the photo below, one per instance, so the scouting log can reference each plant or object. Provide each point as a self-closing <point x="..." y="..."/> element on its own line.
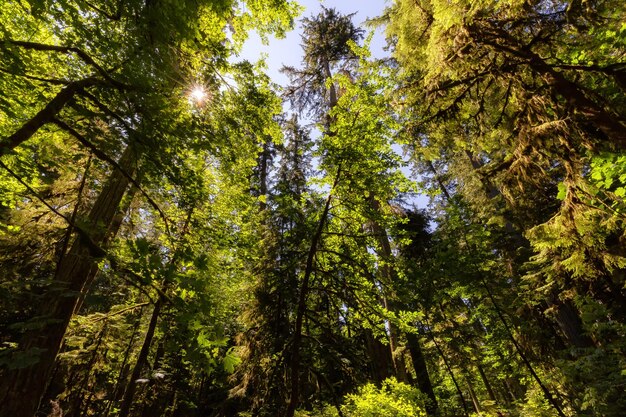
<point x="181" y="236"/>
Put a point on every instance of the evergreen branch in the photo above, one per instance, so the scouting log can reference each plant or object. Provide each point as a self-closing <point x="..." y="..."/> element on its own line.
<point x="94" y="249"/>
<point x="117" y="313"/>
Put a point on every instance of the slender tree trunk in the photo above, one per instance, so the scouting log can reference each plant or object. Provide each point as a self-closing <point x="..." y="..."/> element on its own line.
<point x="131" y="386"/>
<point x="510" y="388"/>
<point x="472" y="393"/>
<point x="522" y="355"/>
<point x="483" y="376"/>
<point x="21" y="390"/>
<point x="124" y="366"/>
<point x="142" y="358"/>
<point x="263" y="165"/>
<point x="304" y="291"/>
<point x="451" y="373"/>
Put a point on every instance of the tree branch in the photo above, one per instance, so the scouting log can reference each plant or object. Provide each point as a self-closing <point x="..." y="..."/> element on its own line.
<point x="94" y="249"/>
<point x="103" y="156"/>
<point x="45" y="115"/>
<point x="67" y="50"/>
<point x="35" y="78"/>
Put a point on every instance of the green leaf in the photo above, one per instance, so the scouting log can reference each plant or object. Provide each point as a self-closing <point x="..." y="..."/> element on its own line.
<point x="562" y="191"/>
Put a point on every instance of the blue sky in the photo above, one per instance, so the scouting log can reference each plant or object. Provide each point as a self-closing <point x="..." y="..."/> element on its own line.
<point x="287" y="51"/>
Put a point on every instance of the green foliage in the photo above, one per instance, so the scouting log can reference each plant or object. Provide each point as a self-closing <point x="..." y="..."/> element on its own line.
<point x="392" y="399"/>
<point x="608" y="173"/>
<point x="258" y="246"/>
<point x="535" y="404"/>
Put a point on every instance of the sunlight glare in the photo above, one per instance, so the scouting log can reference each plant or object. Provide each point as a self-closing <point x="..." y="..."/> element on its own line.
<point x="197" y="95"/>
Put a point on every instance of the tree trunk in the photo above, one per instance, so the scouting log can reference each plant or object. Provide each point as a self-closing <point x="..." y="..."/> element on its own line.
<point x="304" y="291"/>
<point x="21" y="389"/>
<point x="571" y="325"/>
<point x="548" y="395"/>
<point x="131" y="387"/>
<point x="114" y="227"/>
<point x="380" y="357"/>
<point x="472" y="393"/>
<point x="451" y="373"/>
<point x="421" y="372"/>
<point x="483" y="376"/>
<point x="389" y="276"/>
<point x="124" y="366"/>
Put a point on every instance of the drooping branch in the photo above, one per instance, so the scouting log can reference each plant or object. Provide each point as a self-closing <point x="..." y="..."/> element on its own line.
<point x="609" y="123"/>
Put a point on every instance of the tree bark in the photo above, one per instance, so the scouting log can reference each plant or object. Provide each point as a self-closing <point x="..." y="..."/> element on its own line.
<point x="421" y="372"/>
<point x="571" y="325"/>
<point x="483" y="376"/>
<point x="389" y="276"/>
<point x="381" y="364"/>
<point x="21" y="389"/>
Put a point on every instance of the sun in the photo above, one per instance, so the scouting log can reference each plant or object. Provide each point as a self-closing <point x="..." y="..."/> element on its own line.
<point x="197" y="95"/>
